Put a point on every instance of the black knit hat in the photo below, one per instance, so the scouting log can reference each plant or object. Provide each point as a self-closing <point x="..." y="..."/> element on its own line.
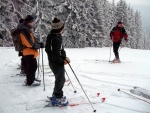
<point x="21" y="21"/>
<point x="30" y="18"/>
<point x="120" y="22"/>
<point x="57" y="25"/>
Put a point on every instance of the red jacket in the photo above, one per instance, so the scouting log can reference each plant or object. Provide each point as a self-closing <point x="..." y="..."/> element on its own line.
<point x="117" y="33"/>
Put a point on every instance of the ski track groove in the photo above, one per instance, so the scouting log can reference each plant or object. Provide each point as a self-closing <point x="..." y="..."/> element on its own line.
<point x="105" y="81"/>
<point x="116" y="74"/>
<point x="126" y="108"/>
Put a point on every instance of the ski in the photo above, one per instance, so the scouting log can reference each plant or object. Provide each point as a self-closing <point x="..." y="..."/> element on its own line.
<point x="72" y="104"/>
<point x="141" y="92"/>
<point x="139" y="88"/>
<point x="113" y="62"/>
<point x="135" y="96"/>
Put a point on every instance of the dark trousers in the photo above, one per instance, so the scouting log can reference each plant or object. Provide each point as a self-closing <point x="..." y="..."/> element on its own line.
<point x="59" y="73"/>
<point x="115" y="48"/>
<point x="23" y="63"/>
<point x="30" y="67"/>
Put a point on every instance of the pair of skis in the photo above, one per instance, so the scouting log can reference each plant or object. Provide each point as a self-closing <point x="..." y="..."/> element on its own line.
<point x="71" y="104"/>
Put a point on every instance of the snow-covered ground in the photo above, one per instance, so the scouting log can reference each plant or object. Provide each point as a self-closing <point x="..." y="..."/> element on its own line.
<point x="95" y="74"/>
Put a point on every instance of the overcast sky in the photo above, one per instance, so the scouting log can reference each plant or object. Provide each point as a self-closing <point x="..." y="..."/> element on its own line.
<point x="142" y="6"/>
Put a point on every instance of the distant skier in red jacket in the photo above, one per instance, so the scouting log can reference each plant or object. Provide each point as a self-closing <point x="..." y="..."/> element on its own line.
<point x="116" y="35"/>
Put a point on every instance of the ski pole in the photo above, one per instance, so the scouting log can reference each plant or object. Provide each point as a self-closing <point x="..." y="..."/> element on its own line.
<point x="133" y="96"/>
<point x="43" y="70"/>
<point x="81" y="86"/>
<point x="38" y="64"/>
<point x="110" y="54"/>
<point x="71" y="82"/>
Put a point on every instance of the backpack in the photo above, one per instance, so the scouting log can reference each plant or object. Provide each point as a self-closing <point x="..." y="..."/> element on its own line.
<point x="15" y="33"/>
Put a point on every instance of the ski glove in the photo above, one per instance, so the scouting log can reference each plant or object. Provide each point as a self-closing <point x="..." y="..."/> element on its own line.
<point x="41" y="45"/>
<point x="66" y="61"/>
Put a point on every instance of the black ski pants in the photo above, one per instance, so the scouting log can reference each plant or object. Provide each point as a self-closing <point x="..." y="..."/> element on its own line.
<point x="30" y="68"/>
<point x="59" y="73"/>
<point x="116" y="46"/>
<point x="23" y="63"/>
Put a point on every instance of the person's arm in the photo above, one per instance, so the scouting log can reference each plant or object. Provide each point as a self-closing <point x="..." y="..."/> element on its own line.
<point x="56" y="56"/>
<point x="27" y="40"/>
<point x="124" y="33"/>
<point x="111" y="33"/>
<point x="63" y="52"/>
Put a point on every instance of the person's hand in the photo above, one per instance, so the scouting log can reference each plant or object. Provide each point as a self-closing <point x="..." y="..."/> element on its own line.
<point x="41" y="45"/>
<point x="66" y="61"/>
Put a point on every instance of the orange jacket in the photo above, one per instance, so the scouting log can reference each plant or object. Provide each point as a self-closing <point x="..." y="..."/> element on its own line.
<point x="28" y="40"/>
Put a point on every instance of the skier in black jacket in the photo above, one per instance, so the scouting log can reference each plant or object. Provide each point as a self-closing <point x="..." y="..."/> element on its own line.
<point x="57" y="59"/>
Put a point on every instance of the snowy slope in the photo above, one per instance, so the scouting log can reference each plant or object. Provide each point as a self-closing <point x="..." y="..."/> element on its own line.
<point x="96" y="75"/>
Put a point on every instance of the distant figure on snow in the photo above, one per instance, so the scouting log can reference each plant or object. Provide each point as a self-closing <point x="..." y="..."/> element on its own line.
<point x="116" y="35"/>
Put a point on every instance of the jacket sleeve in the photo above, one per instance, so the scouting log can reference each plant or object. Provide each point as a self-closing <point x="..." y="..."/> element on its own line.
<point x="56" y="56"/>
<point x="48" y="45"/>
<point x="111" y="33"/>
<point x="28" y="40"/>
<point x="63" y="53"/>
<point x="124" y="33"/>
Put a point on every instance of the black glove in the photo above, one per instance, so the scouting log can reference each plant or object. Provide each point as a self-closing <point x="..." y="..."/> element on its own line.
<point x="41" y="45"/>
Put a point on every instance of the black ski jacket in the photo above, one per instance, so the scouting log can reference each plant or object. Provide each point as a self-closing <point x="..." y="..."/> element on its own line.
<point x="55" y="49"/>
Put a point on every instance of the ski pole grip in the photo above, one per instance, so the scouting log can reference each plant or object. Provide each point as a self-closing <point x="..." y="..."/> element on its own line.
<point x="67" y="60"/>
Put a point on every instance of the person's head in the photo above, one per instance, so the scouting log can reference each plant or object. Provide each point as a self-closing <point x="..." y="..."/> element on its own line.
<point x="29" y="20"/>
<point x="120" y="24"/>
<point x="57" y="25"/>
<point x="21" y="21"/>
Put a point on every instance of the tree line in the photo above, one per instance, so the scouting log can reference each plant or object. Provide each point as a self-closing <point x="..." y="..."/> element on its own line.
<point x="87" y="22"/>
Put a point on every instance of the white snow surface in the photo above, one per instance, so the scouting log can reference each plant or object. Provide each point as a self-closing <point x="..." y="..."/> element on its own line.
<point x="94" y="72"/>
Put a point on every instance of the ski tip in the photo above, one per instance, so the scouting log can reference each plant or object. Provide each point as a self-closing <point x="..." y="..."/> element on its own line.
<point x="118" y="89"/>
<point x="98" y="94"/>
<point x="73" y="104"/>
<point x="75" y="91"/>
<point x="94" y="111"/>
<point x="103" y="99"/>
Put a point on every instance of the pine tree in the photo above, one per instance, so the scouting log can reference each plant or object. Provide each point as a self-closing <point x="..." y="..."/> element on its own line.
<point x="138" y="25"/>
<point x="87" y="23"/>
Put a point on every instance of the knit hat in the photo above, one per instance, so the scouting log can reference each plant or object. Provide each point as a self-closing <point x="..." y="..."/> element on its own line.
<point x="57" y="25"/>
<point x="30" y="18"/>
<point x="120" y="22"/>
<point x="21" y="21"/>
